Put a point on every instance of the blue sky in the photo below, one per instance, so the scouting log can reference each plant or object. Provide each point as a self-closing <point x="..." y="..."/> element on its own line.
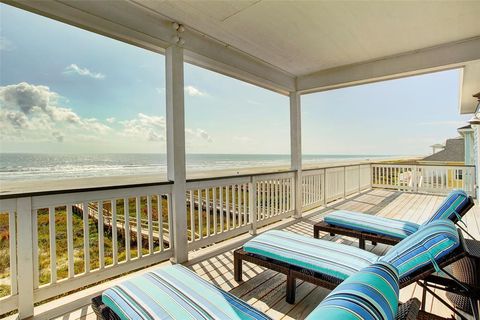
<point x="64" y="89"/>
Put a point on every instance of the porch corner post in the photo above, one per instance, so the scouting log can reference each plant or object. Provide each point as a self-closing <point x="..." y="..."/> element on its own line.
<point x="176" y="170"/>
<point x="296" y="149"/>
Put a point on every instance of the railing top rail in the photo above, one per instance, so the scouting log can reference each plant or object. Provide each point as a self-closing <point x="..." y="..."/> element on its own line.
<point x="81" y="190"/>
<point x="338" y="166"/>
<point x="423" y="164"/>
<point x="245" y="175"/>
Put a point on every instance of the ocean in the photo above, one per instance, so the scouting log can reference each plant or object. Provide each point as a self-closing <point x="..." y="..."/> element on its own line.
<point x="28" y="166"/>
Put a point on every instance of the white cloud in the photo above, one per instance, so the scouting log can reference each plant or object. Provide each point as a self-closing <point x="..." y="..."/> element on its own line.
<point x="242" y="139"/>
<point x="75" y="69"/>
<point x="192" y="134"/>
<point x="194" y="92"/>
<point x="5" y="44"/>
<point x="145" y="127"/>
<point x="31" y="112"/>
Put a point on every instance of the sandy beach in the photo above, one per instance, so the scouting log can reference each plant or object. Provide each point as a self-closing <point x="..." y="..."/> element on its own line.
<point x="25" y="188"/>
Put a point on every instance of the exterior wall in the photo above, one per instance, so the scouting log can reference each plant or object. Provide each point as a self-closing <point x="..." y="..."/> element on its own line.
<point x="476" y="156"/>
<point x="469" y="148"/>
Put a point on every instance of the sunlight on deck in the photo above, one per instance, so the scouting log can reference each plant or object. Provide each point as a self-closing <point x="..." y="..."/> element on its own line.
<point x="265" y="289"/>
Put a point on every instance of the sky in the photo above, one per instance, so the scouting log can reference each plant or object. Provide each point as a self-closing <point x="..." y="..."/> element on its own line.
<point x="67" y="90"/>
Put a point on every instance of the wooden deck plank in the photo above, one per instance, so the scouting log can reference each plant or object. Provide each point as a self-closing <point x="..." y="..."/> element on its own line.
<point x="265" y="289"/>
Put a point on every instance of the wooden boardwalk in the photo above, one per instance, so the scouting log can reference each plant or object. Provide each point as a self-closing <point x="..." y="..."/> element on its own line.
<point x="265" y="289"/>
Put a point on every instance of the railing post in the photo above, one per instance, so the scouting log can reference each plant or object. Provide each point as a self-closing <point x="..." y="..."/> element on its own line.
<point x="25" y="257"/>
<point x="324" y="186"/>
<point x="296" y="149"/>
<point x="359" y="178"/>
<point x="344" y="182"/>
<point x="252" y="204"/>
<point x="415" y="180"/>
<point x="176" y="149"/>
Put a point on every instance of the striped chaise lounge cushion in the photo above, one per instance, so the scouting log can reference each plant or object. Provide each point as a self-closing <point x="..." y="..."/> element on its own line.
<point x="334" y="259"/>
<point x="450" y="208"/>
<point x="370" y="294"/>
<point x="429" y="244"/>
<point x="175" y="292"/>
<point x="374" y="224"/>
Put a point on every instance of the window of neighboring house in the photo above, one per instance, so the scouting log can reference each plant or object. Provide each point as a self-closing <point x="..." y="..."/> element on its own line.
<point x="458" y="174"/>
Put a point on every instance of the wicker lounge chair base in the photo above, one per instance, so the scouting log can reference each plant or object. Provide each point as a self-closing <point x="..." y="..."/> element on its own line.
<point x="375" y="238"/>
<point x="362" y="236"/>
<point x="293" y="272"/>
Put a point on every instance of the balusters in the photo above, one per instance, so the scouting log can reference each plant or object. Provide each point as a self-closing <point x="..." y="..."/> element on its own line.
<point x="160" y="221"/>
<point x="101" y="240"/>
<point x="71" y="270"/>
<point x="12" y="230"/>
<point x="114" y="232"/>
<point x="53" y="245"/>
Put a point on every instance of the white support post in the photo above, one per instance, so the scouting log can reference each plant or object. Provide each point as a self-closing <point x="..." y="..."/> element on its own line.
<point x="296" y="148"/>
<point x="25" y="258"/>
<point x="176" y="150"/>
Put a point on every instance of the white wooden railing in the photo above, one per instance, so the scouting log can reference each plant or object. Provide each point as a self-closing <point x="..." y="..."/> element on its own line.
<point x="320" y="186"/>
<point x="424" y="178"/>
<point x="225" y="207"/>
<point x="128" y="228"/>
<point x="68" y="247"/>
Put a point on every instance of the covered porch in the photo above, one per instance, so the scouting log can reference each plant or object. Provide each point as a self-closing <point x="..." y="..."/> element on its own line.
<point x="198" y="222"/>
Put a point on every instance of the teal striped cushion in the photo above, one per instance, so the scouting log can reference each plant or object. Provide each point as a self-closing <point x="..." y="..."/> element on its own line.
<point x="431" y="242"/>
<point x="334" y="259"/>
<point x="374" y="224"/>
<point x="452" y="207"/>
<point x="370" y="294"/>
<point x="175" y="292"/>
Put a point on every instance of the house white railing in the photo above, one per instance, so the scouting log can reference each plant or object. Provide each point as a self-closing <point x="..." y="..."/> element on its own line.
<point x="54" y="243"/>
<point x="320" y="186"/>
<point x="424" y="178"/>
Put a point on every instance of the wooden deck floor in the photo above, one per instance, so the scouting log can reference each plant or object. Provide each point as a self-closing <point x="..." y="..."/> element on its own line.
<point x="265" y="289"/>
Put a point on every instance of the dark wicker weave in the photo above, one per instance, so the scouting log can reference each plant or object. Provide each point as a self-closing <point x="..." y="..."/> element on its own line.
<point x="422" y="315"/>
<point x="293" y="272"/>
<point x="102" y="311"/>
<point x="363" y="236"/>
<point x="408" y="310"/>
<point x="467" y="271"/>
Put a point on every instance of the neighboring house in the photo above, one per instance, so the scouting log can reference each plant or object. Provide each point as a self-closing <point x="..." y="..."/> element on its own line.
<point x="457" y="152"/>
<point x="467" y="134"/>
<point x="452" y="154"/>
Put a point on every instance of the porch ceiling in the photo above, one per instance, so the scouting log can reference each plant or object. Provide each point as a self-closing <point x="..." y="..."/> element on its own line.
<point x="292" y="45"/>
<point x="303" y="37"/>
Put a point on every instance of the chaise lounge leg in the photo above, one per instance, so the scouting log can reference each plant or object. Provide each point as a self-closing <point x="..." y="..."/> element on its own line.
<point x="361" y="243"/>
<point x="291" y="287"/>
<point x="237" y="268"/>
<point x="374" y="243"/>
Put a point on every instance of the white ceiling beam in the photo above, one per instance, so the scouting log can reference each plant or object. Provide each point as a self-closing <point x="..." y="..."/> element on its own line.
<point x="448" y="56"/>
<point x="130" y="22"/>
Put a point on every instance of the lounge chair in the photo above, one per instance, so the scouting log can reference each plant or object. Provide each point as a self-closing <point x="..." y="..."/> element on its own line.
<point x="327" y="264"/>
<point x="390" y="231"/>
<point x="175" y="292"/>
